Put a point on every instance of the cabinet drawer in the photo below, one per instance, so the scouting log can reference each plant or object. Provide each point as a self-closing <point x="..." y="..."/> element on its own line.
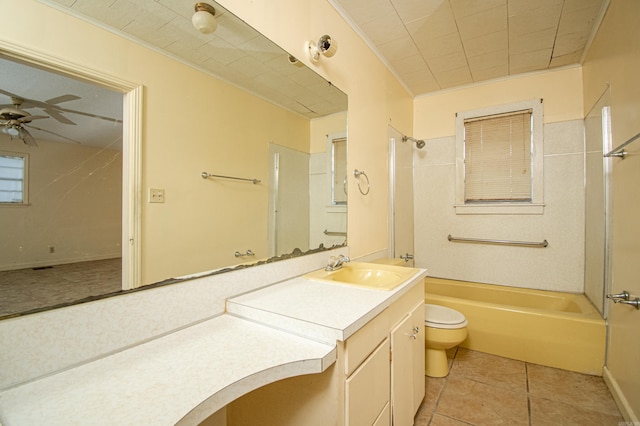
<point x="367" y="390"/>
<point x="364" y="341"/>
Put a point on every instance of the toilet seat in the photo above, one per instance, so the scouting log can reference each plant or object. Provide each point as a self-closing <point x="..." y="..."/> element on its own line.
<point x="437" y="316"/>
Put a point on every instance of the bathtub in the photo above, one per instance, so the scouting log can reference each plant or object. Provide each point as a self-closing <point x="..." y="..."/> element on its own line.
<point x="561" y="330"/>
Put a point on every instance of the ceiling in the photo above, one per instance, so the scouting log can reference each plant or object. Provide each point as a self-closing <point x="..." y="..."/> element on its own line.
<point x="433" y="45"/>
<point x="429" y="45"/>
<point x="75" y="112"/>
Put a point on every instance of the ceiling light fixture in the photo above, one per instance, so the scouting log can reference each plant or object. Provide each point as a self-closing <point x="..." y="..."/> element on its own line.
<point x="325" y="46"/>
<point x="10" y="130"/>
<point x="204" y="19"/>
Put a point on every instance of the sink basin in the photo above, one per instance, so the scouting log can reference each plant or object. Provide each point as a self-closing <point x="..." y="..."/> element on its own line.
<point x="375" y="276"/>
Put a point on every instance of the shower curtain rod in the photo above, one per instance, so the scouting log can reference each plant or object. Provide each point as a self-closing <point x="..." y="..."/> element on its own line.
<point x="616" y="151"/>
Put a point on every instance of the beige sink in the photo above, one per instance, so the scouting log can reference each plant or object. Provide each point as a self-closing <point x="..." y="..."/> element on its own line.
<point x="370" y="275"/>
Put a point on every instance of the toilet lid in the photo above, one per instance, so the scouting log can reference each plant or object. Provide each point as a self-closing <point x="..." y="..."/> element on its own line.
<point x="437" y="314"/>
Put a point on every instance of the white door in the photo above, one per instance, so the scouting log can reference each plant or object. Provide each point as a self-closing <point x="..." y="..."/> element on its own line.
<point x="401" y="192"/>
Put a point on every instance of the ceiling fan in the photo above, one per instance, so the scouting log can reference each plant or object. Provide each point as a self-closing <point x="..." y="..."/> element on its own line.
<point x="13" y="120"/>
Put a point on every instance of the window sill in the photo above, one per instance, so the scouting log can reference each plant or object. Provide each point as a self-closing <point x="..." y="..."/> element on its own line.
<point x="502" y="208"/>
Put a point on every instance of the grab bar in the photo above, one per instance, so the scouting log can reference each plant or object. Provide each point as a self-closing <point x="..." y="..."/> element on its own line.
<point x="616" y="151"/>
<point x="208" y="175"/>
<point x="544" y="243"/>
<point x="335" y="233"/>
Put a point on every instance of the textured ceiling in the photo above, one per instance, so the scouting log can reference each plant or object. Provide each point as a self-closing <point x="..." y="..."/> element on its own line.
<point x="439" y="44"/>
<point x="235" y="52"/>
<point x="430" y="45"/>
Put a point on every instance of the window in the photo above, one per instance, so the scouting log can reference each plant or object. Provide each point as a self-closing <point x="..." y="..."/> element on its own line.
<point x="13" y="178"/>
<point x="499" y="160"/>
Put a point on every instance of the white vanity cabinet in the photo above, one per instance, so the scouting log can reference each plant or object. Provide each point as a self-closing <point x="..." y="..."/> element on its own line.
<point x="407" y="372"/>
<point x="378" y="377"/>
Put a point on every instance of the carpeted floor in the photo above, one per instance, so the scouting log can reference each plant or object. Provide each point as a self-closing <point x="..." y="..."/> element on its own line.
<point x="25" y="290"/>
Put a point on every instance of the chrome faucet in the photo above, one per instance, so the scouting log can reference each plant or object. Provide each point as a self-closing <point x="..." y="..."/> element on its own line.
<point x="336" y="263"/>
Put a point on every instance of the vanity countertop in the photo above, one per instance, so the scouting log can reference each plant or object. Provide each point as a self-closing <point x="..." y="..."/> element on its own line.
<point x="283" y="330"/>
<point x="317" y="309"/>
<point x="161" y="381"/>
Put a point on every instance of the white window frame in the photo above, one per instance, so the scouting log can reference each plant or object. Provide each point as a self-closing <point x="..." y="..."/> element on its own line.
<point x="536" y="205"/>
<point x="25" y="177"/>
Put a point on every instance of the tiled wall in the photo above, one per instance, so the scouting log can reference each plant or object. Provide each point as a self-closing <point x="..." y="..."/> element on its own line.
<point x="557" y="267"/>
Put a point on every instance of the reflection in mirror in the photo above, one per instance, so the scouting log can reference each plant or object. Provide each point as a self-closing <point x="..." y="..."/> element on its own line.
<point x="338" y="169"/>
<point x="293" y="203"/>
<point x="61" y="241"/>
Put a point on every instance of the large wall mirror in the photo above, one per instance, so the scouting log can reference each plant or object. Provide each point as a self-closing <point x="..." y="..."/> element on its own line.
<point x="63" y="244"/>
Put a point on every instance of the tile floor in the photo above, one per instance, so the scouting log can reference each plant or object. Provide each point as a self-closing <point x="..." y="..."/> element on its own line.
<point x="483" y="389"/>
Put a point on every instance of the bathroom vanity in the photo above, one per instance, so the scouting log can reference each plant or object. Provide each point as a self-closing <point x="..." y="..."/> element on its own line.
<point x="301" y="351"/>
<point x="379" y="337"/>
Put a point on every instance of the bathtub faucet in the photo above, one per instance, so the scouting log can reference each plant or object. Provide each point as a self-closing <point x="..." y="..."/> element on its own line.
<point x="336" y="263"/>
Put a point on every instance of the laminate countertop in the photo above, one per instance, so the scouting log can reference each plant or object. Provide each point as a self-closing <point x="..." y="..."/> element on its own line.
<point x="283" y="330"/>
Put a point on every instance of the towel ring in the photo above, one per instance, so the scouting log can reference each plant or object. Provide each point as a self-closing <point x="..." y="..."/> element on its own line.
<point x="357" y="174"/>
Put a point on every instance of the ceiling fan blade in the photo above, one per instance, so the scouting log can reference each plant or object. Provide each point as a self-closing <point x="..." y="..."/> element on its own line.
<point x="54" y="113"/>
<point x="30" y="118"/>
<point x="61" y="99"/>
<point x="26" y="137"/>
<point x="55" y="134"/>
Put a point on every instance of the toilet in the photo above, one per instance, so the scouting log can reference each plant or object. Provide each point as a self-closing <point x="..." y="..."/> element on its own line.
<point x="444" y="328"/>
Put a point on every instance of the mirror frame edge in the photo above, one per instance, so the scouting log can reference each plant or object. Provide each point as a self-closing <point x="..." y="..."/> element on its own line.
<point x="131" y="147"/>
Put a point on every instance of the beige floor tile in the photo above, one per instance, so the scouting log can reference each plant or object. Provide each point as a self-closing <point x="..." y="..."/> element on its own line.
<point x="574" y="389"/>
<point x="490" y="369"/>
<point x="545" y="412"/>
<point x="433" y="390"/>
<point x="482" y="404"/>
<point x="439" y="420"/>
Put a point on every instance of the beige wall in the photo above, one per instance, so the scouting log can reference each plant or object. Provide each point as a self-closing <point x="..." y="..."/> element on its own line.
<point x="557" y="267"/>
<point x="75" y="197"/>
<point x="614" y="58"/>
<point x="174" y="155"/>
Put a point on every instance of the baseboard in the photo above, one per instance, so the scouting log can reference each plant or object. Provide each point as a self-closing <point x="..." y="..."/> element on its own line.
<point x="44" y="263"/>
<point x="623" y="405"/>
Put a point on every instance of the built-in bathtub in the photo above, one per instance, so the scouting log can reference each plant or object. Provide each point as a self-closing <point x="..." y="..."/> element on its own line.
<point x="555" y="329"/>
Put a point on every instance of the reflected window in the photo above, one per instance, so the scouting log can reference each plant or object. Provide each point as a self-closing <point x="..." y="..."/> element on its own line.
<point x="14" y="178"/>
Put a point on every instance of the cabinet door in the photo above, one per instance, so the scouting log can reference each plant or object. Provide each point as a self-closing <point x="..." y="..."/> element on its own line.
<point x="367" y="389"/>
<point x="407" y="366"/>
<point x="417" y="322"/>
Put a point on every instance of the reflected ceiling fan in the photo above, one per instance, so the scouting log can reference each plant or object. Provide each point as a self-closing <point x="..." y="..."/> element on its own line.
<point x="53" y="109"/>
<point x="13" y="120"/>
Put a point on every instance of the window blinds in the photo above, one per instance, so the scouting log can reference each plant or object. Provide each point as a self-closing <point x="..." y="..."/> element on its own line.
<point x="498" y="157"/>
